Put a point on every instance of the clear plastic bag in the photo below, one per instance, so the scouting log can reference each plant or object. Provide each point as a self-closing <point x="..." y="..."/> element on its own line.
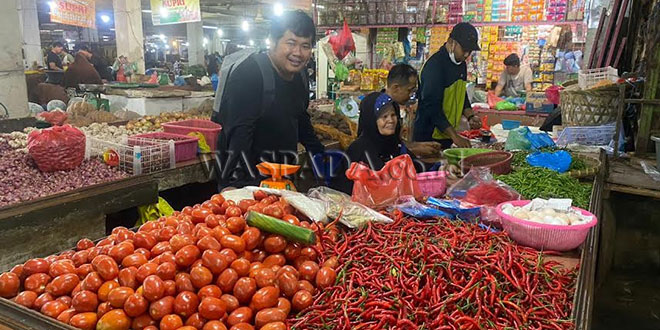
<point x="353" y="214"/>
<point x="314" y="209"/>
<point x="377" y="189"/>
<point x="517" y="139"/>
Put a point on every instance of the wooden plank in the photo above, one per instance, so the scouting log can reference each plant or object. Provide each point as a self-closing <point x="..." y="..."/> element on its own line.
<point x="648" y="110"/>
<point x="599" y="31"/>
<point x="623" y="173"/>
<point x="615" y="36"/>
<point x="608" y="32"/>
<point x="633" y="191"/>
<point x="16" y="124"/>
<point x="620" y="52"/>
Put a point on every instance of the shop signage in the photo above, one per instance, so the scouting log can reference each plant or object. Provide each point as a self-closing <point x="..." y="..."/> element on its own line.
<point x="74" y="12"/>
<point x="175" y="11"/>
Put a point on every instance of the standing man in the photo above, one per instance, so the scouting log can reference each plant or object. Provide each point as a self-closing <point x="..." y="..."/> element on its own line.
<point x="442" y="91"/>
<point x="260" y="127"/>
<point x="81" y="71"/>
<point x="515" y="79"/>
<point x="53" y="60"/>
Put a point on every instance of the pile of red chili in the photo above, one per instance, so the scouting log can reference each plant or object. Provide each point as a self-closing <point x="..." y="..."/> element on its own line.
<point x="439" y="275"/>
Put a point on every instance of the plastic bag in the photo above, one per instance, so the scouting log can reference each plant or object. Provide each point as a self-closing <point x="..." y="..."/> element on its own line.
<point x="55" y="104"/>
<point x="56" y="117"/>
<point x="493" y="100"/>
<point x="377" y="189"/>
<point x="506" y="105"/>
<point x="353" y="215"/>
<point x="153" y="211"/>
<point x="540" y="140"/>
<point x="552" y="93"/>
<point x="411" y="207"/>
<point x="454" y="209"/>
<point x="312" y="208"/>
<point x="517" y="139"/>
<point x="58" y="148"/>
<point x="342" y="43"/>
<point x="341" y="71"/>
<point x="559" y="161"/>
<point x="480" y="188"/>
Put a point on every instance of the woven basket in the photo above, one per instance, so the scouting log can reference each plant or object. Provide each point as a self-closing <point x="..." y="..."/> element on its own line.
<point x="588" y="107"/>
<point x="593" y="166"/>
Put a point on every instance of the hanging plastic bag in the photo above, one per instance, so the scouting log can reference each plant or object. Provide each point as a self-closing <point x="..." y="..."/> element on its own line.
<point x="351" y="214"/>
<point x="517" y="139"/>
<point x="58" y="148"/>
<point x="493" y="100"/>
<point x="559" y="161"/>
<point x="377" y="189"/>
<point x="411" y="207"/>
<point x="342" y="43"/>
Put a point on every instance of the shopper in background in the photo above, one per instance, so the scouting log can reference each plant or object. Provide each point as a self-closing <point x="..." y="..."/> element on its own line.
<point x="253" y="131"/>
<point x="53" y="60"/>
<point x="100" y="64"/>
<point x="515" y="79"/>
<point x="442" y="91"/>
<point x="81" y="71"/>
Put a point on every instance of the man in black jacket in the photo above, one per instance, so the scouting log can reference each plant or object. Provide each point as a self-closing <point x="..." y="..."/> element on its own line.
<point x="252" y="131"/>
<point x="442" y="91"/>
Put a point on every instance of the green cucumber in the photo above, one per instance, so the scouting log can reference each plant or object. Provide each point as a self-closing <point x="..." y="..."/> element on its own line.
<point x="277" y="226"/>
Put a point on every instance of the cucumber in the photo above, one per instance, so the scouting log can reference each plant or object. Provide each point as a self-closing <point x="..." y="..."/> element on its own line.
<point x="277" y="226"/>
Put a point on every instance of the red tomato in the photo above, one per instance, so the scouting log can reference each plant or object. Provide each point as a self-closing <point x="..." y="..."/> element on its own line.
<point x="200" y="276"/>
<point x="265" y="297"/>
<point x="185" y="227"/>
<point x="198" y="215"/>
<point x="166" y="271"/>
<point x="84" y="244"/>
<point x="212" y="308"/>
<point x="274" y="326"/>
<point x="245" y="204"/>
<point x="41" y="300"/>
<point x="241" y="266"/>
<point x="145" y="240"/>
<point x="66" y="300"/>
<point x="217" y="199"/>
<point x="209" y="291"/>
<point x="171" y="322"/>
<point x="186" y="303"/>
<point x="121" y="251"/>
<point x="85" y="301"/>
<point x="187" y="255"/>
<point x="307" y="286"/>
<point x="274" y="211"/>
<point x="103" y="308"/>
<point x="301" y="300"/>
<point x="215" y="208"/>
<point x="9" y="284"/>
<point x="292" y="251"/>
<point x="236" y="225"/>
<point x="34" y="266"/>
<point x="160" y="248"/>
<point x="85" y="321"/>
<point x="178" y="241"/>
<point x="115" y="319"/>
<point x="230" y="301"/>
<point x="26" y="298"/>
<point x="153" y="287"/>
<point x="91" y="282"/>
<point x="229" y="255"/>
<point x="273" y="260"/>
<point x="242" y="326"/>
<point x="258" y="255"/>
<point x="61" y="267"/>
<point x="83" y="270"/>
<point x="269" y="315"/>
<point x="274" y="244"/>
<point x="209" y="243"/>
<point x="53" y="308"/>
<point x="183" y="282"/>
<point x="136" y="305"/>
<point x="227" y="280"/>
<point x="325" y="277"/>
<point x="239" y="315"/>
<point x="170" y="288"/>
<point x="233" y="211"/>
<point x="288" y="284"/>
<point x="161" y="307"/>
<point x="167" y="257"/>
<point x="62" y="285"/>
<point x="118" y="296"/>
<point x="308" y="270"/>
<point x="284" y="304"/>
<point x="105" y="289"/>
<point x="233" y="242"/>
<point x="127" y="277"/>
<point x="214" y="325"/>
<point x="244" y="288"/>
<point x="309" y="252"/>
<point x="146" y="270"/>
<point x="106" y="267"/>
<point x="142" y="322"/>
<point x="214" y="261"/>
<point x="264" y="277"/>
<point x="292" y="219"/>
<point x="331" y="262"/>
<point x="80" y="258"/>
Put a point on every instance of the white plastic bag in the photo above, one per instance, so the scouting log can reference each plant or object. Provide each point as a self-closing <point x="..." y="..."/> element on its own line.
<point x="353" y="214"/>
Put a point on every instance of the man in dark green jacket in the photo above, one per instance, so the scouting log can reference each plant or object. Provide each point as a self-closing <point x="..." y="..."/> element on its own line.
<point x="442" y="91"/>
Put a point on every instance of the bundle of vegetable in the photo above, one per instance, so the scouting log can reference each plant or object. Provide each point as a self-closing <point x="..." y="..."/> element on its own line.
<point x="440" y="275"/>
<point x="534" y="182"/>
<point x="22" y="181"/>
<point x="202" y="267"/>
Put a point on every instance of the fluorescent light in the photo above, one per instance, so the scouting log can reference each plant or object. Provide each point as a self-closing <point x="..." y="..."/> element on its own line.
<point x="267" y="41"/>
<point x="245" y="26"/>
<point x="205" y="41"/>
<point x="278" y="9"/>
<point x="251" y="42"/>
<point x="162" y="37"/>
<point x="69" y="40"/>
<point x="209" y="27"/>
<point x="52" y="5"/>
<point x="164" y="13"/>
<point x="220" y="32"/>
<point x="105" y="18"/>
<point x="58" y="30"/>
<point x="112" y="29"/>
<point x="146" y="11"/>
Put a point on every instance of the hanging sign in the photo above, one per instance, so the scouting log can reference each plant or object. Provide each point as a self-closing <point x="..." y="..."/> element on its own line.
<point x="175" y="11"/>
<point x="74" y="12"/>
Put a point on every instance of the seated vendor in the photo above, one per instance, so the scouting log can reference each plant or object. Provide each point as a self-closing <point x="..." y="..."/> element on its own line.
<point x="515" y="79"/>
<point x="81" y="71"/>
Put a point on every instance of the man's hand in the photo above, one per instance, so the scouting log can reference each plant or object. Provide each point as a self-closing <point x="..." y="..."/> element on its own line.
<point x="475" y="122"/>
<point x="461" y="142"/>
<point x="425" y="149"/>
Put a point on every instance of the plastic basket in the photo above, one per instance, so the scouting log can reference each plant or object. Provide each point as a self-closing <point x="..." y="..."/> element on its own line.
<point x="499" y="162"/>
<point x="185" y="147"/>
<point x="541" y="236"/>
<point x="510" y="124"/>
<point x="587" y="135"/>
<point x="209" y="129"/>
<point x="134" y="155"/>
<point x="589" y="78"/>
<point x="432" y="184"/>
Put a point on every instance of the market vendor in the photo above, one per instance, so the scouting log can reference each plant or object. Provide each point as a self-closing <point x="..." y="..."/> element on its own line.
<point x="442" y="93"/>
<point x="253" y="131"/>
<point x="515" y="79"/>
<point x="81" y="71"/>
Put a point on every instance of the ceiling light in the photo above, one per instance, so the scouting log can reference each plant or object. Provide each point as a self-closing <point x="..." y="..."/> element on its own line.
<point x="278" y="9"/>
<point x="105" y="18"/>
<point x="251" y="42"/>
<point x="209" y="27"/>
<point x="146" y="11"/>
<point x="52" y="5"/>
<point x="267" y="41"/>
<point x="245" y="26"/>
<point x="164" y="13"/>
<point x="220" y="32"/>
<point x="205" y="41"/>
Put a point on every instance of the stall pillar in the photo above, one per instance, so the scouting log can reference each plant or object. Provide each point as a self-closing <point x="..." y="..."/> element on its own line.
<point x="29" y="23"/>
<point x="195" y="43"/>
<point x="128" y="31"/>
<point x="13" y="94"/>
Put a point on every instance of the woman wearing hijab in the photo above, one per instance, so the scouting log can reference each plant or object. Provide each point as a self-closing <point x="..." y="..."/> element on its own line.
<point x="379" y="140"/>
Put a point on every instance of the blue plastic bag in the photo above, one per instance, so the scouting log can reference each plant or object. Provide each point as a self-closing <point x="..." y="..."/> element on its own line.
<point x="454" y="209"/>
<point x="540" y="140"/>
<point x="413" y="208"/>
<point x="558" y="161"/>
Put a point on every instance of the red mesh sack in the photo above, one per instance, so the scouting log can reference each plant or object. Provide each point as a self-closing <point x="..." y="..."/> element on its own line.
<point x="342" y="43"/>
<point x="377" y="189"/>
<point x="58" y="148"/>
<point x="55" y="117"/>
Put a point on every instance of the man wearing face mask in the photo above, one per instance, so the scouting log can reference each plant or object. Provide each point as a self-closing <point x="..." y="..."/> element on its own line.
<point x="442" y="93"/>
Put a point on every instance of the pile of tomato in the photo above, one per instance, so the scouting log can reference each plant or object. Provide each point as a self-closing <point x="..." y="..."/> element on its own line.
<point x="201" y="268"/>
